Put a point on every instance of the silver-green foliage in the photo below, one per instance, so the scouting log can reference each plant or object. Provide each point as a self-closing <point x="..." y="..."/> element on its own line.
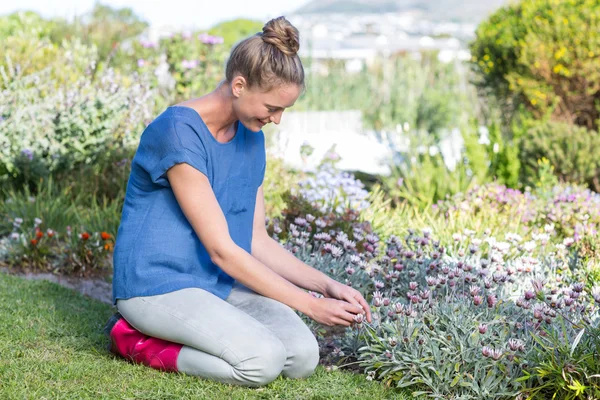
<point x="65" y="124"/>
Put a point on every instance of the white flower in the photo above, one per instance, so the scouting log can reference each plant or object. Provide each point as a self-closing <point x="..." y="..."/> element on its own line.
<point x="469" y="232"/>
<point x="37" y="221"/>
<point x="548" y="228"/>
<point x="568" y="242"/>
<point x="14" y="236"/>
<point x="542" y="237"/>
<point x="513" y="237"/>
<point x="457" y="237"/>
<point x="529" y="246"/>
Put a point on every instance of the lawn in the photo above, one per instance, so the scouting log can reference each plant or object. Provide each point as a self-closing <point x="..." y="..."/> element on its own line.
<point x="53" y="347"/>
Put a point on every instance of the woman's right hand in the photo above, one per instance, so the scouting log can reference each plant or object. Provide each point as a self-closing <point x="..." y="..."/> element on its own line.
<point x="332" y="312"/>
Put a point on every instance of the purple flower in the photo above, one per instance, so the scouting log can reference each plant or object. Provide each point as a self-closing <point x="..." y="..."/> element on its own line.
<point x="486" y="351"/>
<point x="28" y="153"/>
<point x="492" y="300"/>
<point x="483" y="328"/>
<point x="189" y="64"/>
<point x="148" y="44"/>
<point x="516" y="345"/>
<point x="208" y="39"/>
<point x="141" y="62"/>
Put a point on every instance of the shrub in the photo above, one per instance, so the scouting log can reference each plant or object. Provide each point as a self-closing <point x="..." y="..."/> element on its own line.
<point x="59" y="127"/>
<point x="571" y="150"/>
<point x="543" y="54"/>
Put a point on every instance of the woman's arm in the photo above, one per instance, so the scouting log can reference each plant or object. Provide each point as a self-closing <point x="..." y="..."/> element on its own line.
<point x="268" y="251"/>
<point x="199" y="204"/>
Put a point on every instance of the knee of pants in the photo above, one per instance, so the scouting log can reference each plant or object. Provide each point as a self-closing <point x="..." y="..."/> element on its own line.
<point x="305" y="358"/>
<point x="266" y="364"/>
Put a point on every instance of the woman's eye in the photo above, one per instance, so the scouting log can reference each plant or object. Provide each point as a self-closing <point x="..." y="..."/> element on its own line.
<point x="270" y="110"/>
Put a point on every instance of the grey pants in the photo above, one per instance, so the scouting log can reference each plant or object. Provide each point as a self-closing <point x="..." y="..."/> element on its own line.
<point x="248" y="339"/>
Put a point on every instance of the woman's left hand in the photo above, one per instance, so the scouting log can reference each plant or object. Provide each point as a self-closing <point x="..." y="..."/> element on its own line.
<point x="337" y="290"/>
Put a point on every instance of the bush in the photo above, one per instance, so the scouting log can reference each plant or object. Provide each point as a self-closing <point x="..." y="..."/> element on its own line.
<point x="452" y="321"/>
<point x="432" y="169"/>
<point x="571" y="150"/>
<point x="545" y="55"/>
<point x="59" y="126"/>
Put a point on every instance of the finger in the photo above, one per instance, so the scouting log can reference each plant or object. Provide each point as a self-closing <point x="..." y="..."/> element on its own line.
<point x="353" y="308"/>
<point x="340" y="321"/>
<point x="349" y="297"/>
<point x="346" y="316"/>
<point x="365" y="307"/>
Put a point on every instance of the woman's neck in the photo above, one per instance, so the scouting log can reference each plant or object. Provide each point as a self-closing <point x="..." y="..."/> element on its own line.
<point x="216" y="110"/>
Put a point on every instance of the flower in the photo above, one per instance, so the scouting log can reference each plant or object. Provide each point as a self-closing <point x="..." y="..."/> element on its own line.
<point x="84" y="236"/>
<point x="492" y="300"/>
<point x="483" y="328"/>
<point x="209" y="39"/>
<point x="14" y="236"/>
<point x="141" y="62"/>
<point x="50" y="232"/>
<point x="496" y="354"/>
<point x="34" y="242"/>
<point x="516" y="345"/>
<point x="486" y="351"/>
<point x="105" y="235"/>
<point x="39" y="234"/>
<point x="37" y="221"/>
<point x="596" y="294"/>
<point x="27" y="153"/>
<point x="189" y="64"/>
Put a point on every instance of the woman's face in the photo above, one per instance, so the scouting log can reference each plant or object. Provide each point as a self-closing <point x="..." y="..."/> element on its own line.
<point x="255" y="108"/>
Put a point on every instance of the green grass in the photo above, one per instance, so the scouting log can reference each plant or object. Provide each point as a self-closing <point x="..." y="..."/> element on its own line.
<point x="52" y="346"/>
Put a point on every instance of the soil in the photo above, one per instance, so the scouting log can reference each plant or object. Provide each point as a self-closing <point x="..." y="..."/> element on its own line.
<point x="94" y="287"/>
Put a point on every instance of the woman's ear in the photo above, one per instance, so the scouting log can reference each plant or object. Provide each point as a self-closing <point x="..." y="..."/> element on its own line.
<point x="238" y="85"/>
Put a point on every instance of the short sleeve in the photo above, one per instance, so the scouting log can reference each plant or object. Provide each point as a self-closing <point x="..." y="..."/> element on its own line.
<point x="165" y="144"/>
<point x="263" y="160"/>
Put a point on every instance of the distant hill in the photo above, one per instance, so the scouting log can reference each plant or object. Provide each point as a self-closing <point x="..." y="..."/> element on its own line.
<point x="437" y="10"/>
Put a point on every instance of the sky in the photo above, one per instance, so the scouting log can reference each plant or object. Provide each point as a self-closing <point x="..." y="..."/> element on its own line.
<point x="198" y="14"/>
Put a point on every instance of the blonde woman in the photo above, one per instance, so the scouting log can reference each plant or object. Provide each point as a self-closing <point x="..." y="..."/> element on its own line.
<point x="200" y="286"/>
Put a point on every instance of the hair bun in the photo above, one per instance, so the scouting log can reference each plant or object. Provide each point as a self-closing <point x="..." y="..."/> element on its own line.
<point x="280" y="33"/>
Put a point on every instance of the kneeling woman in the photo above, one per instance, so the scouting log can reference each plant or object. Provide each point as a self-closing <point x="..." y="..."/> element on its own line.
<point x="200" y="286"/>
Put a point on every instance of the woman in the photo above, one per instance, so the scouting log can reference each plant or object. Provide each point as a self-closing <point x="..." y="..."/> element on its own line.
<point x="200" y="286"/>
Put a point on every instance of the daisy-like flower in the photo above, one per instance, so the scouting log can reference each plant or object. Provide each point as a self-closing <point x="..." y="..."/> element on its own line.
<point x="596" y="294"/>
<point x="529" y="246"/>
<point x="496" y="354"/>
<point x="320" y="223"/>
<point x="513" y="237"/>
<point x="516" y="345"/>
<point x="322" y="237"/>
<point x="486" y="351"/>
<point x="483" y="328"/>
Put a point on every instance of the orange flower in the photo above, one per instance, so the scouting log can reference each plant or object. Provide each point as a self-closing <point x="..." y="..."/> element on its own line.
<point x="108" y="246"/>
<point x="84" y="236"/>
<point x="39" y="234"/>
<point x="34" y="242"/>
<point x="105" y="235"/>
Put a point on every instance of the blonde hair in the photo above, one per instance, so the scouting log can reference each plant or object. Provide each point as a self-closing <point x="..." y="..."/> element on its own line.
<point x="268" y="58"/>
